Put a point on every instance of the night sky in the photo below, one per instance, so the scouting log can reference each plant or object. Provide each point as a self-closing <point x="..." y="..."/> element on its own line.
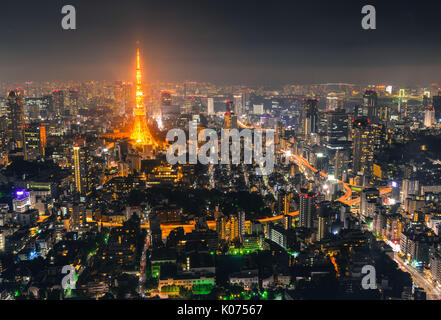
<point x="224" y="42"/>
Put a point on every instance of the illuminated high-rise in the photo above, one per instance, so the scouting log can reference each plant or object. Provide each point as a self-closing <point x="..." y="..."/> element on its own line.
<point x="72" y="102"/>
<point x="369" y="200"/>
<point x="33" y="144"/>
<point x="337" y="130"/>
<point x="221" y="227"/>
<point x="310" y="117"/>
<point x="210" y="106"/>
<point x="307" y="209"/>
<point x="230" y="119"/>
<point x="81" y="167"/>
<point x="16" y="120"/>
<point x="363" y="148"/>
<point x="429" y="116"/>
<point x="58" y="102"/>
<point x="370" y="105"/>
<point x="140" y="132"/>
<point x="237" y="226"/>
<point x="437" y="106"/>
<point x="238" y="104"/>
<point x="166" y="98"/>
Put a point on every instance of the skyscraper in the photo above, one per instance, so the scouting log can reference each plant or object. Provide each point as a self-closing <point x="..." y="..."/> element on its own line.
<point x="237" y="226"/>
<point x="72" y="102"/>
<point x="337" y="127"/>
<point x="323" y="214"/>
<point x="210" y="106"/>
<point x="409" y="187"/>
<point x="230" y="119"/>
<point x="166" y="98"/>
<point x="310" y="117"/>
<point x="238" y="104"/>
<point x="16" y="120"/>
<point x="307" y="209"/>
<point x="58" y="102"/>
<point x="337" y="142"/>
<point x="363" y="148"/>
<point x="369" y="200"/>
<point x="82" y="166"/>
<point x="429" y="116"/>
<point x="437" y="106"/>
<point x="221" y="227"/>
<point x="33" y="147"/>
<point x="370" y="105"/>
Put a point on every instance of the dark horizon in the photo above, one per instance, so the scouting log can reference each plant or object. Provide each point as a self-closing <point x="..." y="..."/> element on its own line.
<point x="250" y="42"/>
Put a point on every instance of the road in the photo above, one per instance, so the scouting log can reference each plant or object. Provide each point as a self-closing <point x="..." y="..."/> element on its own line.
<point x="421" y="280"/>
<point x="141" y="288"/>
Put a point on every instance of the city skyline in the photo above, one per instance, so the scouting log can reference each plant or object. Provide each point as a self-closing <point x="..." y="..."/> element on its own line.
<point x="293" y="153"/>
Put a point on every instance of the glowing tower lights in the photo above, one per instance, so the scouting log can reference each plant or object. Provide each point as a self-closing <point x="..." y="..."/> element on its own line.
<point x="140" y="132"/>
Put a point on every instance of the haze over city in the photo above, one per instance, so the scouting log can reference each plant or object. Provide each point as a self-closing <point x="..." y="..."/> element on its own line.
<point x="224" y="42"/>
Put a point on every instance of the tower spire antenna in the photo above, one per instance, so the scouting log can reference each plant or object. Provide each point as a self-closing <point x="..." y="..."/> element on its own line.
<point x="138" y="63"/>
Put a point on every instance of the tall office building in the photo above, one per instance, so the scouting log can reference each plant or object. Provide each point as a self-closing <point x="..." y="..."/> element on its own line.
<point x="369" y="200"/>
<point x="337" y="129"/>
<point x="409" y="188"/>
<point x="155" y="231"/>
<point x="402" y="104"/>
<point x="72" y="102"/>
<point x="337" y="142"/>
<point x="324" y="218"/>
<point x="310" y="118"/>
<point x="128" y="98"/>
<point x="221" y="227"/>
<point x="3" y="107"/>
<point x="43" y="139"/>
<point x="363" y="149"/>
<point x="32" y="108"/>
<point x="307" y="209"/>
<point x="429" y="116"/>
<point x="22" y="201"/>
<point x="437" y="106"/>
<point x="237" y="226"/>
<point x="370" y="105"/>
<point x="378" y="135"/>
<point x="287" y="199"/>
<point x="33" y="144"/>
<point x="241" y="219"/>
<point x="82" y="166"/>
<point x="2" y="244"/>
<point x="287" y="208"/>
<point x="46" y="106"/>
<point x="238" y="104"/>
<point x="166" y="98"/>
<point x="16" y="120"/>
<point x="230" y="118"/>
<point x="210" y="106"/>
<point x="58" y="102"/>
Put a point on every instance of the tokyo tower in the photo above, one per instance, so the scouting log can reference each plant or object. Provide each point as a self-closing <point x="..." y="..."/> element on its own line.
<point x="140" y="132"/>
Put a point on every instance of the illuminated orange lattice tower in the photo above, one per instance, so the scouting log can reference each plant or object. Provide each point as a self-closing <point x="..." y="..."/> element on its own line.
<point x="140" y="132"/>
